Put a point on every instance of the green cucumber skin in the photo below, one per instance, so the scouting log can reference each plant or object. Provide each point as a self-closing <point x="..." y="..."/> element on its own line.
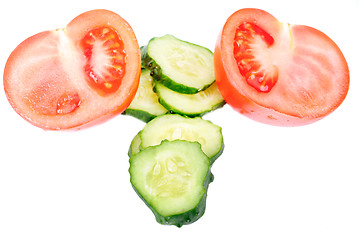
<point x="218" y="154"/>
<point x="139" y="114"/>
<point x="156" y="73"/>
<point x="175" y="110"/>
<point x="185" y="218"/>
<point x="142" y="48"/>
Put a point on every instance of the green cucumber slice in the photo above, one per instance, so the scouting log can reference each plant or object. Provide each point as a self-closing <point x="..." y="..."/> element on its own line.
<point x="135" y="145"/>
<point x="179" y="65"/>
<point x="145" y="105"/>
<point x="190" y="104"/>
<point x="172" y="179"/>
<point x="174" y="126"/>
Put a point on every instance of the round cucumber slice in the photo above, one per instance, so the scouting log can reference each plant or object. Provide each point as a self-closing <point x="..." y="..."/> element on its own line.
<point x="174" y="126"/>
<point x="172" y="179"/>
<point x="179" y="65"/>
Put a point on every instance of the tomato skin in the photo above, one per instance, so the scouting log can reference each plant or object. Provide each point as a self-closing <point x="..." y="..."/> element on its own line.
<point x="283" y="105"/>
<point x="45" y="81"/>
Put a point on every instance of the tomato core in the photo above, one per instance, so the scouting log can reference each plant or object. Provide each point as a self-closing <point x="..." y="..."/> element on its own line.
<point x="250" y="68"/>
<point x="105" y="59"/>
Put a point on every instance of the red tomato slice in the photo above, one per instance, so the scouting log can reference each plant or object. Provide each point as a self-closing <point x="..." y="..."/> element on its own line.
<point x="77" y="76"/>
<point x="276" y="73"/>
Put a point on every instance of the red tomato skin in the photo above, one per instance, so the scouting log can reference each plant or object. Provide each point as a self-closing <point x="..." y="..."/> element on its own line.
<point x="237" y="97"/>
<point x="113" y="105"/>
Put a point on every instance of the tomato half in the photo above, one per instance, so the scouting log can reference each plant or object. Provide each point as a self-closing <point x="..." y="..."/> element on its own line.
<point x="277" y="73"/>
<point x="76" y="76"/>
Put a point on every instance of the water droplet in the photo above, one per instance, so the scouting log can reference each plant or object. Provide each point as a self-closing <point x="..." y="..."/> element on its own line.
<point x="67" y="103"/>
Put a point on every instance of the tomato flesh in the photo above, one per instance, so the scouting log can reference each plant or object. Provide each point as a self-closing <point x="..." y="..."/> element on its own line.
<point x="105" y="59"/>
<point x="77" y="76"/>
<point x="67" y="103"/>
<point x="50" y="100"/>
<point x="248" y="66"/>
<point x="277" y="73"/>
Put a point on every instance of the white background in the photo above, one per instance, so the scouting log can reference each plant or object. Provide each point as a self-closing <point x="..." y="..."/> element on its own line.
<point x="270" y="183"/>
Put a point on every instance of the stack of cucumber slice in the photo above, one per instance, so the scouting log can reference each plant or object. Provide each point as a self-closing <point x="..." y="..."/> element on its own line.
<point x="177" y="77"/>
<point x="170" y="166"/>
<point x="172" y="156"/>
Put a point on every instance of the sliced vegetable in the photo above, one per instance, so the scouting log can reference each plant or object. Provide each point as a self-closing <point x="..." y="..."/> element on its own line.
<point x="174" y="126"/>
<point x="82" y="74"/>
<point x="278" y="73"/>
<point x="172" y="179"/>
<point x="181" y="66"/>
<point x="191" y="105"/>
<point x="135" y="145"/>
<point x="145" y="105"/>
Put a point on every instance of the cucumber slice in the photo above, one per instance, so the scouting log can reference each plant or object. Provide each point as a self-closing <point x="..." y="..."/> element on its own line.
<point x="174" y="126"/>
<point x="190" y="104"/>
<point x="181" y="66"/>
<point x="135" y="145"/>
<point x="172" y="179"/>
<point x="145" y="105"/>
